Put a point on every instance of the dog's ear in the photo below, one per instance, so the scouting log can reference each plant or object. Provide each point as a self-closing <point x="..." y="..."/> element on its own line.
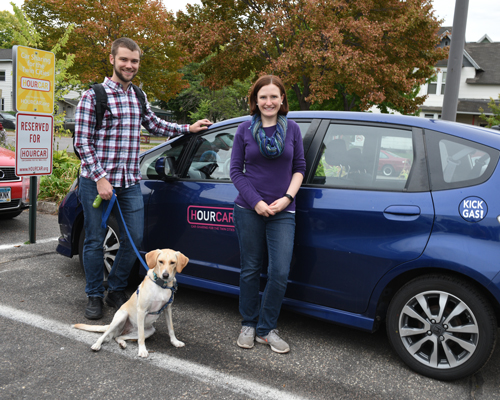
<point x="182" y="261"/>
<point x="151" y="258"/>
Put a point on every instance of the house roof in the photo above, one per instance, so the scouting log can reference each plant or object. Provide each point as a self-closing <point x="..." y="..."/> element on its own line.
<point x="465" y="106"/>
<point x="5" y="54"/>
<point x="487" y="56"/>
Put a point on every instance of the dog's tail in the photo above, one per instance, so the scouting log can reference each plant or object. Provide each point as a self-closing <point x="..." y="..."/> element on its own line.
<point x="91" y="328"/>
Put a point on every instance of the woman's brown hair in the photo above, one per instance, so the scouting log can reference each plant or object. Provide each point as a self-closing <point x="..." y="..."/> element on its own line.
<point x="264" y="81"/>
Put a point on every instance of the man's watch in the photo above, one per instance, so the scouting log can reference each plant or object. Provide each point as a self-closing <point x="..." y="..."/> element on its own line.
<point x="289" y="197"/>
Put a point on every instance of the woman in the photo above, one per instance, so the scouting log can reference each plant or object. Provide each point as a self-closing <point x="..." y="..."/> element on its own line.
<point x="267" y="168"/>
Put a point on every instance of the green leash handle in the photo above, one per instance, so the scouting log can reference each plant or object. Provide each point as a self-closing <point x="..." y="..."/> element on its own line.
<point x="97" y="202"/>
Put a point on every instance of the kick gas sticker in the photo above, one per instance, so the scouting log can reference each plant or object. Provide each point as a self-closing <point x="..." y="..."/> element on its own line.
<point x="215" y="218"/>
<point x="473" y="209"/>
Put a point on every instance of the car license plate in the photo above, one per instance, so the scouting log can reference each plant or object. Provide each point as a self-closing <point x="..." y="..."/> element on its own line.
<point x="5" y="195"/>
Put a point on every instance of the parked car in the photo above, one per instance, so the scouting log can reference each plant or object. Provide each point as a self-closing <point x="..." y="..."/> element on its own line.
<point x="417" y="251"/>
<point x="14" y="190"/>
<point x="8" y="121"/>
<point x="391" y="164"/>
<point x="69" y="123"/>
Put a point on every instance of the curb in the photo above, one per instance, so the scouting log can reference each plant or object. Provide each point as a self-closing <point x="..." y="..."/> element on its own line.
<point x="47" y="207"/>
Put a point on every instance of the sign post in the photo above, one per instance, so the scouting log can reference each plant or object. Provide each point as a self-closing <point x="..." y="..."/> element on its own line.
<point x="34" y="76"/>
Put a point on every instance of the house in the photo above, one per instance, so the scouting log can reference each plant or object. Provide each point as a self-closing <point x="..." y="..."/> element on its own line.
<point x="6" y="80"/>
<point x="479" y="81"/>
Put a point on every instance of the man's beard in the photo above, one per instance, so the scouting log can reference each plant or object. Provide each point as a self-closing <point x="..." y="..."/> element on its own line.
<point x="121" y="77"/>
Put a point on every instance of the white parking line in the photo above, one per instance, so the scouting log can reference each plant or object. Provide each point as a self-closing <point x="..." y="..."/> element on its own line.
<point x="9" y="246"/>
<point x="189" y="369"/>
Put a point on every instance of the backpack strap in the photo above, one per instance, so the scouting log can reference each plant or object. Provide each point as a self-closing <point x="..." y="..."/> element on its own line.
<point x="101" y="103"/>
<point x="142" y="99"/>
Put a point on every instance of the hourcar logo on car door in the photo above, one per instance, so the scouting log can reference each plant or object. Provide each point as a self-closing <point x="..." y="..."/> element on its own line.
<point x="218" y="218"/>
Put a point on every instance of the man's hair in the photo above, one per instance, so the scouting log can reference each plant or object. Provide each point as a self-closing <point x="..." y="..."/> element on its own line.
<point x="264" y="81"/>
<point x="124" y="42"/>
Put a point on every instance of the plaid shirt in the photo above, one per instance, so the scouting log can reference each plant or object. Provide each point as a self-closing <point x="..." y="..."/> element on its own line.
<point x="113" y="150"/>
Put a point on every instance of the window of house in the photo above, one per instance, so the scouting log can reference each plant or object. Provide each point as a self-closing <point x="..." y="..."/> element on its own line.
<point x="2" y="76"/>
<point x="438" y="84"/>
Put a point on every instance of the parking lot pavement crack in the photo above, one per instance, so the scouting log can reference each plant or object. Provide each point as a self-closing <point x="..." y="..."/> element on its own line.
<point x="50" y="253"/>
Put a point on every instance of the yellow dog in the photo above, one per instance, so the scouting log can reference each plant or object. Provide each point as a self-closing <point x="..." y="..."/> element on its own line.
<point x="134" y="320"/>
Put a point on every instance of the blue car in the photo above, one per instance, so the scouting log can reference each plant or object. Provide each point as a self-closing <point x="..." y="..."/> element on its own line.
<point x="416" y="249"/>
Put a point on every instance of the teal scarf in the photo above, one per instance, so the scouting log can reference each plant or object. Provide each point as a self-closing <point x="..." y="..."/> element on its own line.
<point x="270" y="147"/>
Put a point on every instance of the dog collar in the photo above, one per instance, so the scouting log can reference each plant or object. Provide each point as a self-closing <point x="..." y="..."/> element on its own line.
<point x="170" y="301"/>
<point x="162" y="283"/>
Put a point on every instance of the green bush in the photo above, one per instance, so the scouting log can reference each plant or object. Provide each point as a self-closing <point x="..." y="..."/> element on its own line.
<point x="65" y="169"/>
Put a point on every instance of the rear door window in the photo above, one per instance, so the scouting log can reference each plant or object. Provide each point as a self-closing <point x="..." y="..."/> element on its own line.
<point x="365" y="157"/>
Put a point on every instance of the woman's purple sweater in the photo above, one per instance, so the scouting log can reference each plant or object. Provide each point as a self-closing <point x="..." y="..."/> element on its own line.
<point x="259" y="178"/>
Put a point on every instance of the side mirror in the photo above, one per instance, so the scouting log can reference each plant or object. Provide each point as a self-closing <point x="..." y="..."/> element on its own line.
<point x="165" y="168"/>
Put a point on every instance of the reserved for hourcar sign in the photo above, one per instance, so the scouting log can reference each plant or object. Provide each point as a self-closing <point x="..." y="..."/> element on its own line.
<point x="34" y="144"/>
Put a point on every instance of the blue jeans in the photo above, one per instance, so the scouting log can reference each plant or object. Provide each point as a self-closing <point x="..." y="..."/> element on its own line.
<point x="260" y="236"/>
<point x="132" y="206"/>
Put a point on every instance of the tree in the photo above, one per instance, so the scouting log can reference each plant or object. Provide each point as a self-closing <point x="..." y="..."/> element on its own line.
<point x="216" y="105"/>
<point x="359" y="52"/>
<point x="99" y="23"/>
<point x="495" y="108"/>
<point x="8" y="27"/>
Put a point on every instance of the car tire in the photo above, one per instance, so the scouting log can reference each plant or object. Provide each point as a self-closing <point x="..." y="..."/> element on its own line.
<point x="443" y="313"/>
<point x="388" y="170"/>
<point x="111" y="246"/>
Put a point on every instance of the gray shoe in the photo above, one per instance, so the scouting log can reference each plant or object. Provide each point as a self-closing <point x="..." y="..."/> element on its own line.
<point x="272" y="339"/>
<point x="246" y="338"/>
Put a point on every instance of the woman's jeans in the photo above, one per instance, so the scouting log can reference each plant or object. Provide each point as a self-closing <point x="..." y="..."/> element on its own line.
<point x="132" y="206"/>
<point x="263" y="238"/>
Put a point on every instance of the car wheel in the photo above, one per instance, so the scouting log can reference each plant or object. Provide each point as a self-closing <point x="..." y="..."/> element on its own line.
<point x="388" y="170"/>
<point x="441" y="327"/>
<point x="110" y="247"/>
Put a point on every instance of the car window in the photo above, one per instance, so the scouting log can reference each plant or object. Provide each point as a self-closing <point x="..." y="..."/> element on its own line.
<point x="151" y="160"/>
<point x="364" y="157"/>
<point x="212" y="155"/>
<point x="456" y="162"/>
<point x="304" y="126"/>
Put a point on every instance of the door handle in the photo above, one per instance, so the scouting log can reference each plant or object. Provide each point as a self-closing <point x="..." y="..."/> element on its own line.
<point x="402" y="213"/>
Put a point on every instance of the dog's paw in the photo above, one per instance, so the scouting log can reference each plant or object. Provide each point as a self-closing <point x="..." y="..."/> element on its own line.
<point x="122" y="344"/>
<point x="143" y="352"/>
<point x="96" y="347"/>
<point x="177" y="343"/>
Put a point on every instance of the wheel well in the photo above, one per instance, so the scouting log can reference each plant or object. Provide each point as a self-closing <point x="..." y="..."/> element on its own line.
<point x="398" y="282"/>
<point x="77" y="230"/>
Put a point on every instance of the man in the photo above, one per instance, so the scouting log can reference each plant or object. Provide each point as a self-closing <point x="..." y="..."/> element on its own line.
<point x="110" y="160"/>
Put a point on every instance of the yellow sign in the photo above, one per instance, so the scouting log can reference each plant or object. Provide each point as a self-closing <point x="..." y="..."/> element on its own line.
<point x="35" y="71"/>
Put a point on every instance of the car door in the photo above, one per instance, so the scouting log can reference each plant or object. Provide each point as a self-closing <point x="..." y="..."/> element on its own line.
<point x="194" y="212"/>
<point x="354" y="222"/>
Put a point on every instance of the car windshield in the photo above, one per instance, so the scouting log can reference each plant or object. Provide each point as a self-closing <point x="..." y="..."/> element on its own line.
<point x="8" y="116"/>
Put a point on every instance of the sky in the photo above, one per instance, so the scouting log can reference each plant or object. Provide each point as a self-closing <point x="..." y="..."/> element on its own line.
<point x="483" y="16"/>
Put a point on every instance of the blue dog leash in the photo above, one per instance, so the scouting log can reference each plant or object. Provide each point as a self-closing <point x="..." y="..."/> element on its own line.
<point x="105" y="215"/>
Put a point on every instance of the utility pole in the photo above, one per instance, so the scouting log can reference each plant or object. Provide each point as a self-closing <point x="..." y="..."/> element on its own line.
<point x="455" y="59"/>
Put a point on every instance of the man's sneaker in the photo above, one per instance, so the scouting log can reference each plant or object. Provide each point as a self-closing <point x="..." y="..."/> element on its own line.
<point x="246" y="338"/>
<point x="272" y="339"/>
<point x="116" y="299"/>
<point x="94" y="308"/>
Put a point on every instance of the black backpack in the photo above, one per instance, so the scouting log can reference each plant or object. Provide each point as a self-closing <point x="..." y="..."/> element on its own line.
<point x="101" y="105"/>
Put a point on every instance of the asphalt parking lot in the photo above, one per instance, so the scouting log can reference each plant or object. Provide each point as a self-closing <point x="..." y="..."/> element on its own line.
<point x="41" y="356"/>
